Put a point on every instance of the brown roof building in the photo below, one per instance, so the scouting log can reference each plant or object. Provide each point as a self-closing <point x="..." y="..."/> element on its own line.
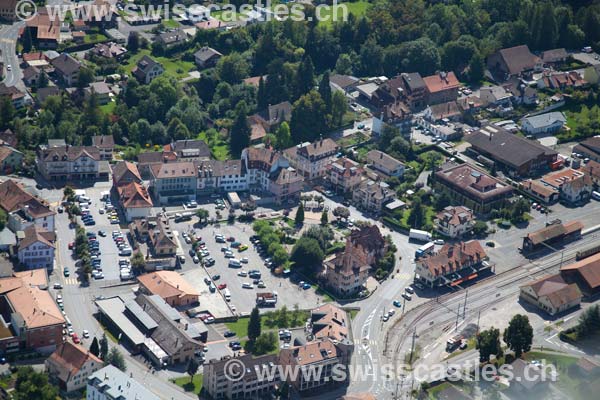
<point x="454" y="221"/>
<point x="70" y="365"/>
<point x="585" y="273"/>
<point x="513" y="61"/>
<point x="32" y="318"/>
<point x="135" y="201"/>
<point x="104" y="143"/>
<point x="23" y="208"/>
<point x="170" y="286"/>
<point x="441" y="87"/>
<point x="551" y="294"/>
<point x="344" y="174"/>
<point x="589" y="148"/>
<point x="552" y="234"/>
<point x="124" y="173"/>
<point x="312" y="159"/>
<point x="452" y="265"/>
<point x="472" y="188"/>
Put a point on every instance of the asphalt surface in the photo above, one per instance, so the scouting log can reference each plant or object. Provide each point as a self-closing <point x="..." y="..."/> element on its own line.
<point x="8" y="42"/>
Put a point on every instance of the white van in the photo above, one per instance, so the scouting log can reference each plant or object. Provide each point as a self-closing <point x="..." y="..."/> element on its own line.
<point x="83" y="199"/>
<point x="234" y="263"/>
<point x="227" y="295"/>
<point x="596" y="195"/>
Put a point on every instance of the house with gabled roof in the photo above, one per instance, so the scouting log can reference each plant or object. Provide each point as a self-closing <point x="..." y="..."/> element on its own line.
<point x="170" y="286"/>
<point x="551" y="294"/>
<point x="207" y="57"/>
<point x="513" y="62"/>
<point x="70" y="365"/>
<point x="71" y="163"/>
<point x="24" y="208"/>
<point x="106" y="146"/>
<point x="312" y="159"/>
<point x="147" y="69"/>
<point x="36" y="248"/>
<point x="135" y="201"/>
<point x="66" y="68"/>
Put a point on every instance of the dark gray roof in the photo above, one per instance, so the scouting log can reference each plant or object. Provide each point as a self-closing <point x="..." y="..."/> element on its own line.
<point x="413" y="81"/>
<point x="206" y="53"/>
<point x="66" y="64"/>
<point x="136" y="311"/>
<point x="145" y="64"/>
<point x="200" y="145"/>
<point x="542" y="120"/>
<point x="506" y="147"/>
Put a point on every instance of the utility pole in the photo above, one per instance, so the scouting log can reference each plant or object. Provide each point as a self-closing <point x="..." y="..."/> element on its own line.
<point x="465" y="306"/>
<point x="457" y="316"/>
<point x="478" y="318"/>
<point x="412" y="346"/>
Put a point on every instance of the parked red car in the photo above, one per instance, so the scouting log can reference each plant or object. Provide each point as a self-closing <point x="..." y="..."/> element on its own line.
<point x="222" y="286"/>
<point x="231" y="239"/>
<point x="75" y="338"/>
<point x="71" y="245"/>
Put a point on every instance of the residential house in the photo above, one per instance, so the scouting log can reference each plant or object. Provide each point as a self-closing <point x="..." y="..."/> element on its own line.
<point x="109" y="50"/>
<point x="8" y="10"/>
<point x="189" y="150"/>
<point x="472" y="188"/>
<point x="105" y="145"/>
<point x="312" y="159"/>
<point x="452" y="265"/>
<point x="43" y="93"/>
<point x="552" y="234"/>
<point x="269" y="172"/>
<point x="31" y="76"/>
<point x="561" y="80"/>
<point x="17" y="98"/>
<point x="513" y="62"/>
<point x="344" y="174"/>
<point x="440" y="113"/>
<point x="321" y="355"/>
<point x="527" y="378"/>
<point x="36" y="248"/>
<point x="102" y="92"/>
<point x="545" y="124"/>
<point x="384" y="163"/>
<point x="454" y="222"/>
<point x="11" y="159"/>
<point x="542" y="192"/>
<point x="441" y="87"/>
<point x="207" y="57"/>
<point x="258" y="129"/>
<point x="174" y="182"/>
<point x="554" y="57"/>
<point x="147" y="69"/>
<point x="147" y="159"/>
<point x="551" y="294"/>
<point x="32" y="319"/>
<point x="592" y="169"/>
<point x="124" y="173"/>
<point x="574" y="186"/>
<point x="211" y="23"/>
<point x="589" y="148"/>
<point x="171" y="38"/>
<point x="273" y="115"/>
<point x="333" y="323"/>
<point x="70" y="366"/>
<point x="170" y="286"/>
<point x="217" y="382"/>
<point x="343" y="83"/>
<point x="585" y="273"/>
<point x="372" y="196"/>
<point x="36" y="59"/>
<point x="135" y="201"/>
<point x="160" y="237"/>
<point x="66" y="69"/>
<point x="521" y="91"/>
<point x="407" y="88"/>
<point x="221" y="176"/>
<point x="495" y="96"/>
<point x="45" y="33"/>
<point x="23" y="208"/>
<point x="71" y="163"/>
<point x="110" y="383"/>
<point x="8" y="138"/>
<point x="517" y="155"/>
<point x="346" y="273"/>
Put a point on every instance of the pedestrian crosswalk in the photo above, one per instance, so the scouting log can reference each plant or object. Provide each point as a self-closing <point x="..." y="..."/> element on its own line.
<point x="71" y="281"/>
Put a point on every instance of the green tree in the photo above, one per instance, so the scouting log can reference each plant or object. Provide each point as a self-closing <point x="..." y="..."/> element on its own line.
<point x="103" y="347"/>
<point x="416" y="217"/>
<point x="3" y="219"/>
<point x="264" y="344"/>
<point x="42" y="81"/>
<point x="26" y="40"/>
<point x="232" y="68"/>
<point x="192" y="368"/>
<point x="305" y="77"/>
<point x="488" y="343"/>
<point x="30" y="385"/>
<point x="69" y="193"/>
<point x="115" y="358"/>
<point x="86" y="76"/>
<point x="239" y="137"/>
<point x="262" y="100"/>
<point x="519" y="335"/>
<point x="307" y="253"/>
<point x="309" y="118"/>
<point x="324" y="218"/>
<point x="202" y="214"/>
<point x="325" y="91"/>
<point x="95" y="347"/>
<point x="283" y="136"/>
<point x="480" y="228"/>
<point x="341" y="212"/>
<point x="299" y="219"/>
<point x="254" y="325"/>
<point x="476" y="68"/>
<point x="339" y="107"/>
<point x="7" y="112"/>
<point x="133" y="42"/>
<point x="138" y="262"/>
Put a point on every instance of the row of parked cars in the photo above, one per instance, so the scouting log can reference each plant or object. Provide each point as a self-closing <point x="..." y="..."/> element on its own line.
<point x="122" y="243"/>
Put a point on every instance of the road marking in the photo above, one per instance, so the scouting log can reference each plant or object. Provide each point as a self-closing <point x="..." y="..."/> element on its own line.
<point x="426" y="355"/>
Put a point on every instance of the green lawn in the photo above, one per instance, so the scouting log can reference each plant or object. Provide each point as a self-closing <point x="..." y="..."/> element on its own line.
<point x="170" y="23"/>
<point x="109" y="107"/>
<point x="358" y="9"/>
<point x="173" y="66"/>
<point x="218" y="147"/>
<point x="568" y="382"/>
<point x="94" y="38"/>
<point x="195" y="386"/>
<point x="227" y="15"/>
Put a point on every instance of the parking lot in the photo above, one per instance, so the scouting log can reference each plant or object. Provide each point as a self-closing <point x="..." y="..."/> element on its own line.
<point x="242" y="300"/>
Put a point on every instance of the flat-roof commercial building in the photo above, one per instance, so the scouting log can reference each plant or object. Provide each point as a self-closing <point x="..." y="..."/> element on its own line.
<point x="517" y="155"/>
<point x="110" y="383"/>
